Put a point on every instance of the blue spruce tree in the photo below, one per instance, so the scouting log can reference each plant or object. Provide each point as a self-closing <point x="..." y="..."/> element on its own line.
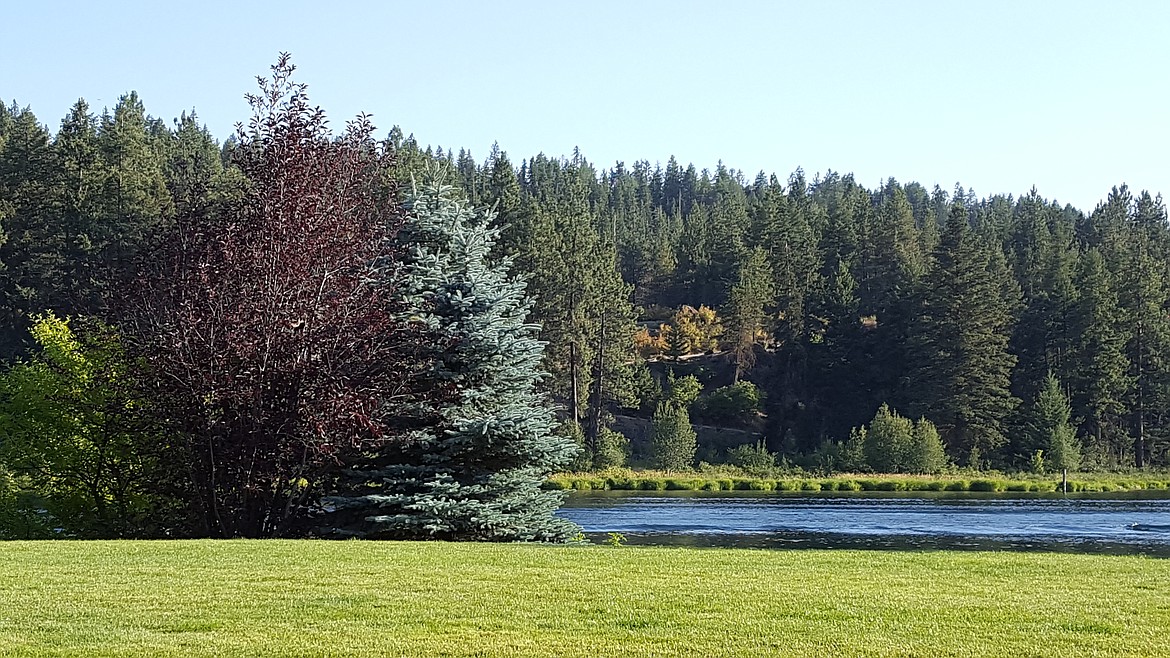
<point x="474" y="470"/>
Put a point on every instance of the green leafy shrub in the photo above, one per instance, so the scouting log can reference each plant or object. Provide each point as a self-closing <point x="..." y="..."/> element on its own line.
<point x="69" y="424"/>
<point x="613" y="449"/>
<point x="742" y="400"/>
<point x="752" y="457"/>
<point x="673" y="440"/>
<point x="683" y="391"/>
<point x="888" y="441"/>
<point x="925" y="452"/>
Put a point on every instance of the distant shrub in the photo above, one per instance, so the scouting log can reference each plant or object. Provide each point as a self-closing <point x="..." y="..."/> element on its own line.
<point x="673" y="440"/>
<point x="848" y="485"/>
<point x="888" y="441"/>
<point x="737" y="402"/>
<point x="925" y="452"/>
<point x="852" y="452"/>
<point x="682" y="391"/>
<point x="613" y="449"/>
<point x="752" y="457"/>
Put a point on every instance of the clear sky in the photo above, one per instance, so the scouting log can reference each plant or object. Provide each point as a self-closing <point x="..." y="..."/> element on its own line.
<point x="1069" y="96"/>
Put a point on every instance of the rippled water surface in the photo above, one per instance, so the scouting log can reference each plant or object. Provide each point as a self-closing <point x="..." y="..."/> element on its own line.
<point x="1121" y="523"/>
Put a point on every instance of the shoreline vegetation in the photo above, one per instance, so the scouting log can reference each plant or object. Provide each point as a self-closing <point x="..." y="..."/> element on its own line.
<point x="731" y="479"/>
<point x="310" y="598"/>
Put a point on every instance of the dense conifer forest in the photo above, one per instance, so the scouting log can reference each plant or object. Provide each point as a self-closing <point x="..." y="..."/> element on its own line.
<point x="1002" y="320"/>
<point x="217" y="287"/>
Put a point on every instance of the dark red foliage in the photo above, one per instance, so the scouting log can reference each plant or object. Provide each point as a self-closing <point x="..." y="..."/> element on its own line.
<point x="264" y="320"/>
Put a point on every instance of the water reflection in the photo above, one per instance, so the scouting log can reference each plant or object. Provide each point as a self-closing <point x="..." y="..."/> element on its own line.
<point x="1137" y="522"/>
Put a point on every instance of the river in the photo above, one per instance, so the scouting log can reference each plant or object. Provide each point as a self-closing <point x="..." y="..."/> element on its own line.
<point x="1115" y="523"/>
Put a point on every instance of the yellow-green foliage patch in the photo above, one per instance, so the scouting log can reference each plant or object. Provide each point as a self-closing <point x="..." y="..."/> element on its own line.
<point x="303" y="598"/>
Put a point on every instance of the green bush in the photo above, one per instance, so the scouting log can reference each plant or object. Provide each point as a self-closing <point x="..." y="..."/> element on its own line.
<point x="673" y="440"/>
<point x="752" y="457"/>
<point x="613" y="449"/>
<point x="888" y="440"/>
<point x="925" y="452"/>
<point x="731" y="403"/>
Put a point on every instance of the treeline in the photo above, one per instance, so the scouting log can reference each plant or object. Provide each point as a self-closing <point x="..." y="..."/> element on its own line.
<point x="836" y="299"/>
<point x="255" y="374"/>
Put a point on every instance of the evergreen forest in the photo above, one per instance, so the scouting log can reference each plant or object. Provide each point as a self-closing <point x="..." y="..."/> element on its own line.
<point x="291" y="331"/>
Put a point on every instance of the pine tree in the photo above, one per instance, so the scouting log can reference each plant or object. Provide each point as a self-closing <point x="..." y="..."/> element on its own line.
<point x="1101" y="381"/>
<point x="962" y="371"/>
<point x="750" y="295"/>
<point x="31" y="252"/>
<point x="1043" y="255"/>
<point x="1145" y="301"/>
<point x="1047" y="428"/>
<point x="477" y="472"/>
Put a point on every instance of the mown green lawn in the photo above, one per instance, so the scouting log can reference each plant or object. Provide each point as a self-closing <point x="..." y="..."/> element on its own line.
<point x="434" y="599"/>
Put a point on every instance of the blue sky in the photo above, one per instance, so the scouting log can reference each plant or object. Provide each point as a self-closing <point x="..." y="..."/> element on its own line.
<point x="1071" y="97"/>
